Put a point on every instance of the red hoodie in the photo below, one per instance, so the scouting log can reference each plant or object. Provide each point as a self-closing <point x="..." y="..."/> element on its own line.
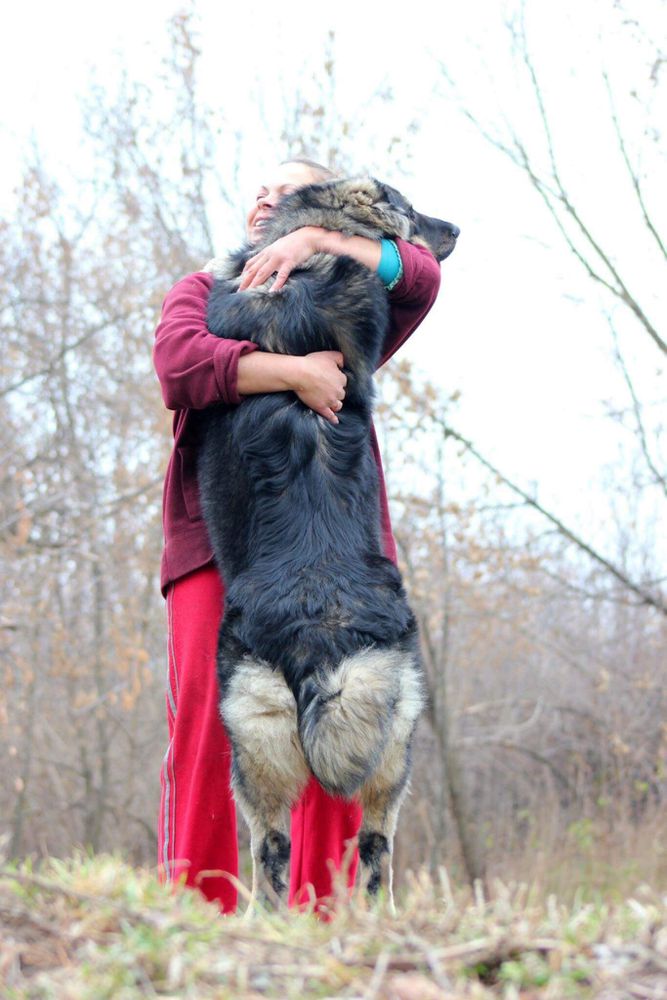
<point x="197" y="369"/>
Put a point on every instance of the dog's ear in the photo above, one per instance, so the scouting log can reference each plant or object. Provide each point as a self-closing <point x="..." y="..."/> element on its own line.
<point x="392" y="211"/>
<point x="363" y="201"/>
<point x="395" y="199"/>
<point x="361" y="191"/>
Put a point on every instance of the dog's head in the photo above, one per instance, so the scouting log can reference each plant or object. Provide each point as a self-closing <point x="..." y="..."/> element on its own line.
<point x="361" y="206"/>
<point x="435" y="234"/>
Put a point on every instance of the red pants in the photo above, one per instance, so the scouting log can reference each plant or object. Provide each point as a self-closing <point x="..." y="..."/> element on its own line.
<point x="197" y="823"/>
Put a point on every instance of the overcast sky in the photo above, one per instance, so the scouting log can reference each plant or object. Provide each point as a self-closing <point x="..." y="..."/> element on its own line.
<point x="517" y="330"/>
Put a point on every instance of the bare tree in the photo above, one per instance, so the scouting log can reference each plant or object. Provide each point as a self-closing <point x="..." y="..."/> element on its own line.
<point x="534" y="713"/>
<point x="545" y="167"/>
<point x="85" y="442"/>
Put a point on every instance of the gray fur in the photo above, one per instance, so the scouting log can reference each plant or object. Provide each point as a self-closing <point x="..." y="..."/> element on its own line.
<point x="345" y="732"/>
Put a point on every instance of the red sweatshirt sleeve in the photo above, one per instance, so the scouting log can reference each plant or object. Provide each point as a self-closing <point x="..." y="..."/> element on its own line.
<point x="412" y="297"/>
<point x="195" y="368"/>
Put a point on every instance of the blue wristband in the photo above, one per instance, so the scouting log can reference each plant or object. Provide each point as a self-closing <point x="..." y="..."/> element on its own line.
<point x="390" y="268"/>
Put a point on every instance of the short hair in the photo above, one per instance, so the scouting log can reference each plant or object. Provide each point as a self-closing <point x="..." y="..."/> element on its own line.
<point x="321" y="172"/>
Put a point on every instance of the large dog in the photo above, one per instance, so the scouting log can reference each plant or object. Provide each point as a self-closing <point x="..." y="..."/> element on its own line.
<point x="318" y="657"/>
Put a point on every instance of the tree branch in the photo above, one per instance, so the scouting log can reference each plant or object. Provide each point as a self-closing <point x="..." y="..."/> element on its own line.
<point x="644" y="596"/>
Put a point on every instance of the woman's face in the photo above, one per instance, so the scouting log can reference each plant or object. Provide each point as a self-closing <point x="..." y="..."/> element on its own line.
<point x="283" y="179"/>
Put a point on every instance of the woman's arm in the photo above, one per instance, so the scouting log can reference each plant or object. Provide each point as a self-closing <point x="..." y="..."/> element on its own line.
<point x="316" y="378"/>
<point x="410" y="299"/>
<point x="197" y="369"/>
<point x="294" y="249"/>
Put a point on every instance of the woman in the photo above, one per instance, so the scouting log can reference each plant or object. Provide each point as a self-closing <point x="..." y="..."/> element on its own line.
<point x="197" y="823"/>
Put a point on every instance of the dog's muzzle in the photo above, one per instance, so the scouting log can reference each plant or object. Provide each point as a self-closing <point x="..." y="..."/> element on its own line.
<point x="441" y="236"/>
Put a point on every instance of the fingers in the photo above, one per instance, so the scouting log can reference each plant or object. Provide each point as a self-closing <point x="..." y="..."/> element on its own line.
<point x="281" y="277"/>
<point x="251" y="275"/>
<point x="282" y="256"/>
<point x="329" y="414"/>
<point x="248" y="273"/>
<point x="321" y="383"/>
<point x="341" y="377"/>
<point x="258" y="270"/>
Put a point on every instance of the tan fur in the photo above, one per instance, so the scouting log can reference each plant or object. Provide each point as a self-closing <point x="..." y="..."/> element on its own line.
<point x="383" y="795"/>
<point x="220" y="267"/>
<point x="374" y="698"/>
<point x="379" y="690"/>
<point x="378" y="793"/>
<point x="259" y="712"/>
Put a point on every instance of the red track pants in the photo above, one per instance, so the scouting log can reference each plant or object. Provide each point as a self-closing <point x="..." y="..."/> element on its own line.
<point x="197" y="822"/>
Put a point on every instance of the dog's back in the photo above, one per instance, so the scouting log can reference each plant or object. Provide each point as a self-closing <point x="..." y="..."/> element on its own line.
<point x="291" y="502"/>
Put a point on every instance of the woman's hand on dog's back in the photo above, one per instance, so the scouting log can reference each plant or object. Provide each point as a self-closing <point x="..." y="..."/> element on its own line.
<point x="316" y="378"/>
<point x="282" y="256"/>
<point x="320" y="383"/>
<point x="279" y="258"/>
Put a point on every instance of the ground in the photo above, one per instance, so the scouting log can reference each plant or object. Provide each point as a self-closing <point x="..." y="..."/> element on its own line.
<point x="93" y="927"/>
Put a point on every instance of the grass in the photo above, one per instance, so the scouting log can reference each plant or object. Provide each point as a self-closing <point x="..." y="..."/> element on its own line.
<point x="93" y="927"/>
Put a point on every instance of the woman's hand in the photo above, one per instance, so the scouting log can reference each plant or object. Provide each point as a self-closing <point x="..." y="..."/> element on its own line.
<point x="320" y="383"/>
<point x="316" y="378"/>
<point x="294" y="249"/>
<point x="280" y="258"/>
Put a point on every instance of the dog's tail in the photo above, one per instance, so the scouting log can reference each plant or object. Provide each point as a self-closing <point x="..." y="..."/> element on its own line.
<point x="346" y="716"/>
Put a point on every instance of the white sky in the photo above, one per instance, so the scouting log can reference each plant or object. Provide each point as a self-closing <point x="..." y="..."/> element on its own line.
<point x="517" y="329"/>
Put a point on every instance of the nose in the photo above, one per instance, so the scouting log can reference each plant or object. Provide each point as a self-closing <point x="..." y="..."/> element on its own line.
<point x="455" y="231"/>
<point x="268" y="199"/>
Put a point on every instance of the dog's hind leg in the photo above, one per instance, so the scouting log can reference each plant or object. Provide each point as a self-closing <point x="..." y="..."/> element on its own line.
<point x="381" y="799"/>
<point x="382" y="796"/>
<point x="269" y="771"/>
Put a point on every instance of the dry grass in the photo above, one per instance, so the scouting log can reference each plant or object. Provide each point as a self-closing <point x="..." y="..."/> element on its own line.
<point x="96" y="928"/>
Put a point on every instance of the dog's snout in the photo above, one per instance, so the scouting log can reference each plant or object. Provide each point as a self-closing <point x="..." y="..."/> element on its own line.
<point x="455" y="231"/>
